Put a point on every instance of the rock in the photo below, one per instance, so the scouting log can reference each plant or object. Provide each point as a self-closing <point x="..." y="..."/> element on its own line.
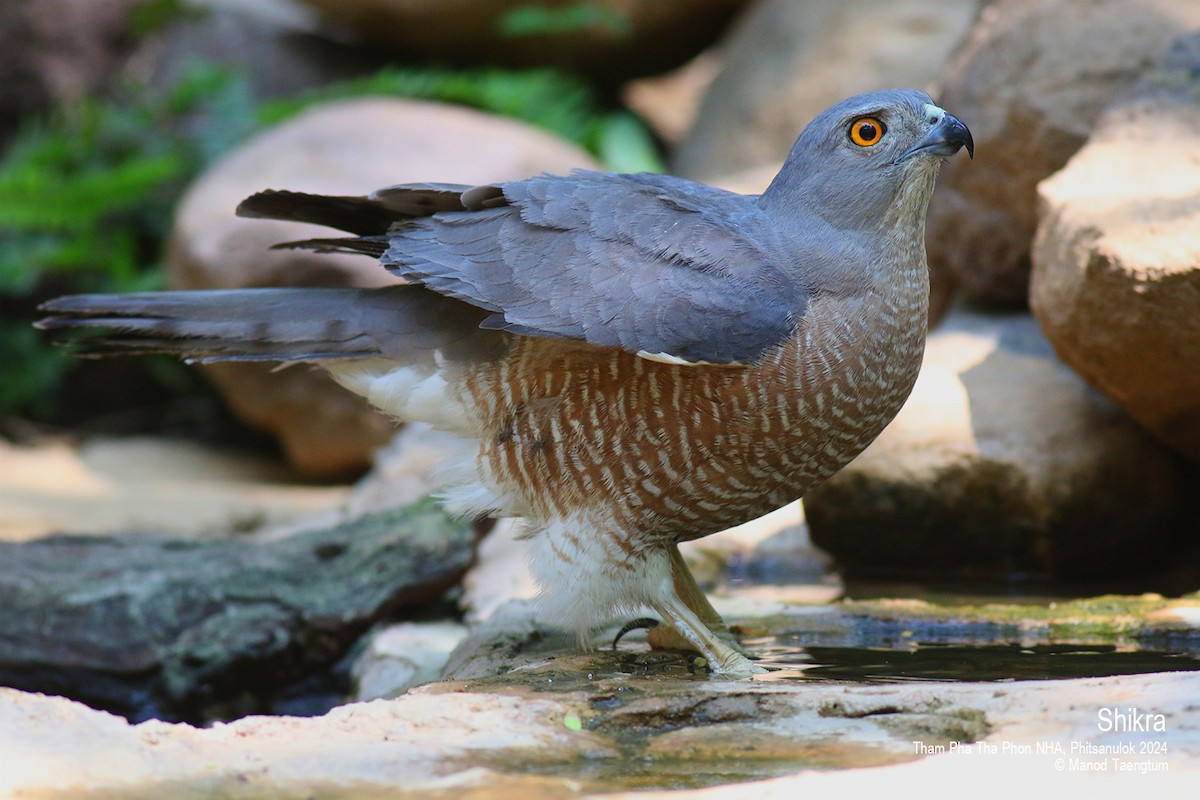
<point x="57" y="52"/>
<point x="754" y="180"/>
<point x="786" y="61"/>
<point x="1116" y="277"/>
<point x="155" y="626"/>
<point x="608" y="40"/>
<point x="552" y="734"/>
<point x="669" y="102"/>
<point x="512" y="637"/>
<point x="406" y="469"/>
<point x="402" y="656"/>
<point x="500" y="573"/>
<point x="137" y="484"/>
<point x="325" y="431"/>
<point x="1003" y="460"/>
<point x="1030" y="81"/>
<point x="428" y="744"/>
<point x="542" y="719"/>
<point x="349" y="147"/>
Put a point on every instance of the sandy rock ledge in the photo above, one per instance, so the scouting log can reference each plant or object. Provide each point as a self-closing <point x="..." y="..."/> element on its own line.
<point x="457" y="739"/>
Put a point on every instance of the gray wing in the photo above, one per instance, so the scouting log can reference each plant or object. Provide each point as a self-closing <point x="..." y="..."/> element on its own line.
<point x="648" y="263"/>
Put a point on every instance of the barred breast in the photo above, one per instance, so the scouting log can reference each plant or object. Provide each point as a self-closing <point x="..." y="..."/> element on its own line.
<point x="674" y="452"/>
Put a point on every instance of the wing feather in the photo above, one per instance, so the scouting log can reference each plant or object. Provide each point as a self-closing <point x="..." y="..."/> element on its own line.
<point x="649" y="263"/>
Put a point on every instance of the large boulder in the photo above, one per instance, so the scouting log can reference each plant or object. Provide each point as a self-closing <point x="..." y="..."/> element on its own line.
<point x="609" y="40"/>
<point x="786" y="61"/>
<point x="348" y="147"/>
<point x="1002" y="461"/>
<point x="1116" y="278"/>
<point x="1030" y="81"/>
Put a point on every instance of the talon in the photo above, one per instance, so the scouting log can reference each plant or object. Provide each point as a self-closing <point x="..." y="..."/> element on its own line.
<point x="647" y="623"/>
<point x="736" y="665"/>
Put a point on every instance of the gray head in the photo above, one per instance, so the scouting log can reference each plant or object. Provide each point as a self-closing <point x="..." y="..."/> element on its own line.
<point x="860" y="158"/>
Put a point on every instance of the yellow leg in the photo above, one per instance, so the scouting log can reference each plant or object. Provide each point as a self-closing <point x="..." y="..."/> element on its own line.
<point x="689" y="622"/>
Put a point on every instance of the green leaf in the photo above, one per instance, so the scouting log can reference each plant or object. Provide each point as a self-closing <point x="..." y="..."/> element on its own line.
<point x="538" y="20"/>
<point x="624" y="144"/>
<point x="42" y="200"/>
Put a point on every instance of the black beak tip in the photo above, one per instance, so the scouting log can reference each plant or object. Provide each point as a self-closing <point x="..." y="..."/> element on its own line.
<point x="962" y="133"/>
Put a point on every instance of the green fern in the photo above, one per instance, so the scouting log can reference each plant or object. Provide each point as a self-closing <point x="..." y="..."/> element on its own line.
<point x="85" y="201"/>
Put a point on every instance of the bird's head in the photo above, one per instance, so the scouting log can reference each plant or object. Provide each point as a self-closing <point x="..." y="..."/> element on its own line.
<point x="861" y="157"/>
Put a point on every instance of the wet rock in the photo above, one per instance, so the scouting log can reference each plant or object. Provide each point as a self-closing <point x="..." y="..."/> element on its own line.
<point x="349" y="147"/>
<point x="152" y="626"/>
<point x="796" y="636"/>
<point x="1003" y="460"/>
<point x="787" y="61"/>
<point x="1116" y="280"/>
<point x="542" y="719"/>
<point x="513" y="636"/>
<point x="1030" y="81"/>
<point x="597" y="737"/>
<point x="402" y="656"/>
<point x="417" y="746"/>
<point x="608" y="40"/>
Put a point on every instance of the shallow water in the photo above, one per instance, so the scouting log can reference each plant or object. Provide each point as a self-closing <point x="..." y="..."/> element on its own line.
<point x="919" y="661"/>
<point x="961" y="662"/>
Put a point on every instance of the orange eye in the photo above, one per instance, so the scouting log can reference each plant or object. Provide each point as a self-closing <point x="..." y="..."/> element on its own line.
<point x="866" y="131"/>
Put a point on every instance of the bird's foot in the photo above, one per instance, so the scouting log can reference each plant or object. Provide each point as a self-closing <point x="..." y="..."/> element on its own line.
<point x="735" y="665"/>
<point x="729" y="658"/>
<point x="664" y="637"/>
<point x="682" y="630"/>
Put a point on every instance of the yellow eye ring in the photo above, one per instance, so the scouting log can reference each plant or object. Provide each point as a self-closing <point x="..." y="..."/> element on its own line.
<point x="867" y="131"/>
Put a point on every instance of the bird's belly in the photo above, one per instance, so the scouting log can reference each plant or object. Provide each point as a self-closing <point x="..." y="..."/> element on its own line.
<point x="674" y="452"/>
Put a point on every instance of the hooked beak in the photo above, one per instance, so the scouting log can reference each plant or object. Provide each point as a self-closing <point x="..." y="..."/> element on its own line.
<point x="945" y="139"/>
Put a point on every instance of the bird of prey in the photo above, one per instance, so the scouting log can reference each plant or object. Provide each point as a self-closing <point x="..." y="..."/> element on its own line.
<point x="633" y="361"/>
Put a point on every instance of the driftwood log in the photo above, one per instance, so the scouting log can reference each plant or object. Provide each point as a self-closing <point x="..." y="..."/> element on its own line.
<point x="184" y="629"/>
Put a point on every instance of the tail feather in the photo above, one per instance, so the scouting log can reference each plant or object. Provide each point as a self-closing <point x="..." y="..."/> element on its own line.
<point x="399" y="322"/>
<point x="370" y="218"/>
<point x="374" y="214"/>
<point x="358" y="215"/>
<point x="355" y="245"/>
<point x="402" y="323"/>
